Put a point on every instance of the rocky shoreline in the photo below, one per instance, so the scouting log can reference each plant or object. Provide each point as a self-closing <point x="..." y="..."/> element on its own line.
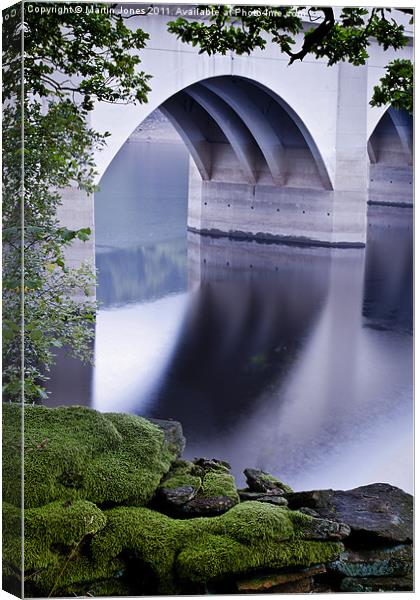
<point x="112" y="509"/>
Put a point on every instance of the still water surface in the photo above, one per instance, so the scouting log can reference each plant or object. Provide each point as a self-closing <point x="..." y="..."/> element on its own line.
<point x="300" y="364"/>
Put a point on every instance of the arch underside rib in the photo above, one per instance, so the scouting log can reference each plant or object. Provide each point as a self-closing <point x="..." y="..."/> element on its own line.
<point x="257" y="171"/>
<point x="238" y="131"/>
<point x="390" y="150"/>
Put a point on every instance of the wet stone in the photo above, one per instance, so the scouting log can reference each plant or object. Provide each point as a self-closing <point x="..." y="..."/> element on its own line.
<point x="302" y="586"/>
<point x="277" y="499"/>
<point x="376" y="562"/>
<point x="178" y="496"/>
<point x="174" y="437"/>
<point x="310" y="512"/>
<point x="377" y="584"/>
<point x="324" y="529"/>
<point x="376" y="512"/>
<point x="212" y="506"/>
<point x="265" y="583"/>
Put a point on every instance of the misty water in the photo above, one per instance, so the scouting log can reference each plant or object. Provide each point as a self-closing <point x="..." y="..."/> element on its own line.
<point x="296" y="360"/>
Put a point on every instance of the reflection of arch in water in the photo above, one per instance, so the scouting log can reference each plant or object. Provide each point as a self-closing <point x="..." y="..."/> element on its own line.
<point x="388" y="290"/>
<point x="246" y="324"/>
<point x="390" y="149"/>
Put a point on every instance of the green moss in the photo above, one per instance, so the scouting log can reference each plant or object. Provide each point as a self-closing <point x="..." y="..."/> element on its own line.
<point x="215" y="553"/>
<point x="12" y="539"/>
<point x="78" y="453"/>
<point x="249" y="522"/>
<point x="219" y="483"/>
<point x="73" y="570"/>
<point x="68" y="547"/>
<point x="50" y="525"/>
<point x="53" y="534"/>
<point x="209" y="482"/>
<point x="251" y="535"/>
<point x="12" y="450"/>
<point x="215" y="556"/>
<point x="181" y="480"/>
<point x="104" y="587"/>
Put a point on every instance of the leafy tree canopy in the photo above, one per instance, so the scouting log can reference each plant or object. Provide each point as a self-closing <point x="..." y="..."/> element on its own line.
<point x="78" y="54"/>
<point x="343" y="37"/>
<point x="72" y="58"/>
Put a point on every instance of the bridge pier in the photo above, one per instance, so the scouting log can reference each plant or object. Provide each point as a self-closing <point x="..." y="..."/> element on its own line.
<point x="276" y="214"/>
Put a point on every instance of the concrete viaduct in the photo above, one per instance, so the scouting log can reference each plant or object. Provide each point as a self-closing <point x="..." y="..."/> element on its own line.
<point x="278" y="152"/>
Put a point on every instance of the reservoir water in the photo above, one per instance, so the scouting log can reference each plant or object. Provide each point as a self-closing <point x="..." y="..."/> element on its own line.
<point x="296" y="360"/>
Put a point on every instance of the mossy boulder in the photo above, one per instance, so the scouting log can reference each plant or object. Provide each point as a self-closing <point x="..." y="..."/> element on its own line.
<point x="250" y="536"/>
<point x="263" y="482"/>
<point x="55" y="524"/>
<point x="200" y="488"/>
<point x="74" y="452"/>
<point x="55" y="538"/>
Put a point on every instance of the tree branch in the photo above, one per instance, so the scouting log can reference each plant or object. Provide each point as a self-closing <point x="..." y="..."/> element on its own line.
<point x="314" y="37"/>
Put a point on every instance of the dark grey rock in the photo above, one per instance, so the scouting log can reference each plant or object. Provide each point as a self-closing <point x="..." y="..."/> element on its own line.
<point x="206" y="507"/>
<point x="177" y="497"/>
<point x="173" y="433"/>
<point x="309" y="511"/>
<point x="324" y="529"/>
<point x="212" y="464"/>
<point x="260" y="481"/>
<point x="271" y="499"/>
<point x="379" y="511"/>
<point x="376" y="562"/>
<point x="277" y="499"/>
<point x="377" y="584"/>
<point x="301" y="586"/>
<point x="269" y="583"/>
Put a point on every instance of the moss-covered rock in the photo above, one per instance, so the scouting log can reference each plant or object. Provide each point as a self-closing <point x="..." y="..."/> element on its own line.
<point x="200" y="488"/>
<point x="75" y="453"/>
<point x="182" y="474"/>
<point x="249" y="536"/>
<point x="260" y="481"/>
<point x="55" y="535"/>
<point x="55" y="524"/>
<point x="112" y="586"/>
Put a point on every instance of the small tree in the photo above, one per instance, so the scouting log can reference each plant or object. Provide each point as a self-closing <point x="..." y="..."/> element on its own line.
<point x="71" y="58"/>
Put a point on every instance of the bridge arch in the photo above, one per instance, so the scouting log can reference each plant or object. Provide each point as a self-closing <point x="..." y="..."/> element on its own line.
<point x="391" y="141"/>
<point x="236" y="129"/>
<point x="390" y="151"/>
